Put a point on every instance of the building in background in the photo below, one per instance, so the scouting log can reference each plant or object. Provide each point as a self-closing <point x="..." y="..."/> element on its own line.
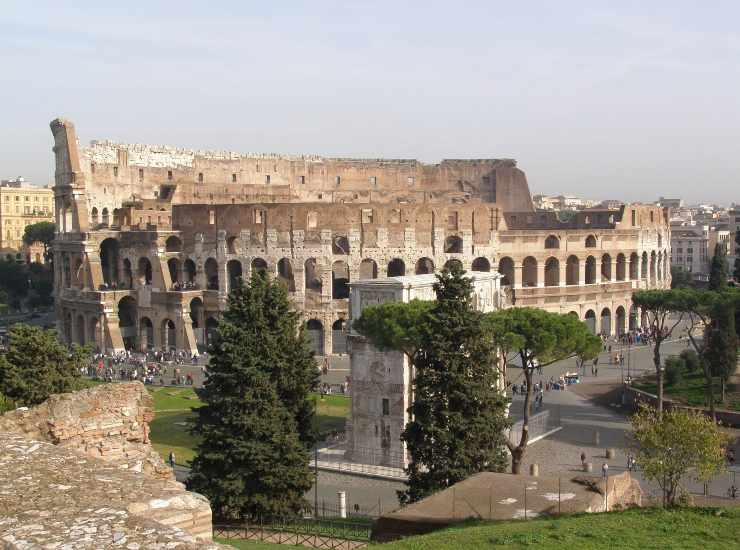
<point x="692" y="248"/>
<point x="22" y="204"/>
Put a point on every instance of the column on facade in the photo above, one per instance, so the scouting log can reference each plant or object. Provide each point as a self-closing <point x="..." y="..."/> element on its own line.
<point x="563" y="275"/>
<point x="518" y="274"/>
<point x="541" y="273"/>
<point x="614" y="270"/>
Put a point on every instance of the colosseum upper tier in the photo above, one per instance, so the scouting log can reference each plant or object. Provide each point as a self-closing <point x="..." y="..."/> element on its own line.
<point x="151" y="238"/>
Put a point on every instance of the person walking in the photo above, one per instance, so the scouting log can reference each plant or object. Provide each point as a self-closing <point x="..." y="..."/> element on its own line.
<point x="171" y="460"/>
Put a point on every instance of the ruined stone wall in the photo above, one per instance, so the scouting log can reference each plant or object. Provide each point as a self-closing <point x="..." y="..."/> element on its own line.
<point x="109" y="422"/>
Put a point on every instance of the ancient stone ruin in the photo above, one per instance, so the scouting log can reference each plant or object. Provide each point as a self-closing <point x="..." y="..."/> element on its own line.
<point x="79" y="471"/>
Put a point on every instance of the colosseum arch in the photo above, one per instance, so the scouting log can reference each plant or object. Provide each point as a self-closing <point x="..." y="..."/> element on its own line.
<point x="590" y="241"/>
<point x="572" y="270"/>
<point x="424" y="266"/>
<point x="285" y="274"/>
<point x="144" y="271"/>
<point x="452" y="263"/>
<point x="339" y="280"/>
<point x="146" y="334"/>
<point x="368" y="269"/>
<point x="606" y="322"/>
<point x="259" y="266"/>
<point x="506" y="268"/>
<point x="529" y="271"/>
<point x="634" y="268"/>
<point x="315" y="334"/>
<point x="590" y="270"/>
<point x="173" y="244"/>
<point x="552" y="242"/>
<point x="453" y="245"/>
<point x="234" y="270"/>
<point x="590" y="319"/>
<point x="620" y="324"/>
<point x="652" y="266"/>
<point x="188" y="271"/>
<point x="481" y="264"/>
<point x="621" y="267"/>
<point x="104" y="218"/>
<point x="211" y="270"/>
<point x="127" y="315"/>
<point x="173" y="265"/>
<point x="109" y="257"/>
<point x="338" y="337"/>
<point x="606" y="268"/>
<point x="396" y="268"/>
<point x="340" y="245"/>
<point x="644" y="274"/>
<point x="313" y="277"/>
<point x="94" y="217"/>
<point x="552" y="272"/>
<point x="169" y="335"/>
<point x="233" y="244"/>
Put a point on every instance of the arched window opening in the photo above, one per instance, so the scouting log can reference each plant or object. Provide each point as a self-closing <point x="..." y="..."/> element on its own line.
<point x="340" y="245"/>
<point x="453" y="245"/>
<point x="173" y="244"/>
<point x="590" y="241"/>
<point x="339" y="280"/>
<point x="481" y="264"/>
<point x="552" y="242"/>
<point x="590" y="270"/>
<point x="572" y="269"/>
<point x="338" y="337"/>
<point x="315" y="335"/>
<point x="506" y="268"/>
<point x="368" y="269"/>
<point x="621" y="267"/>
<point x="424" y="266"/>
<point x="590" y="320"/>
<point x="529" y="272"/>
<point x="606" y="268"/>
<point x="552" y="272"/>
<point x="396" y="268"/>
<point x="285" y="274"/>
<point x="211" y="271"/>
<point x="234" y="269"/>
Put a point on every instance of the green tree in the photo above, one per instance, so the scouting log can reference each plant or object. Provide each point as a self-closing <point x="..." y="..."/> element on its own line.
<point x="736" y="271"/>
<point x="14" y="281"/>
<point x="721" y="340"/>
<point x="458" y="415"/>
<point x="40" y="232"/>
<point x="658" y="306"/>
<point x="680" y="278"/>
<point x="675" y="446"/>
<point x="36" y="365"/>
<point x="252" y="460"/>
<point x="537" y="338"/>
<point x="718" y="269"/>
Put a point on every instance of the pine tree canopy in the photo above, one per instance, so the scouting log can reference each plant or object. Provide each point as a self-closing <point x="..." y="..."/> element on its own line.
<point x="257" y="424"/>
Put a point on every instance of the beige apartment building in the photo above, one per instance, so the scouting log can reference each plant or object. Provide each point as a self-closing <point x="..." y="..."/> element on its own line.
<point x="22" y="204"/>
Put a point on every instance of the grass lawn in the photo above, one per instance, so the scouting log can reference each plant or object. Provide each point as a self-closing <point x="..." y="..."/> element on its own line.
<point x="169" y="429"/>
<point x="254" y="544"/>
<point x="691" y="389"/>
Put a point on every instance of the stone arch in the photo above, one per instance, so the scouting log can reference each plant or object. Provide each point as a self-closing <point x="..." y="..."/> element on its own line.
<point x="169" y="335"/>
<point x="173" y="244"/>
<point x="259" y="265"/>
<point x="529" y="271"/>
<point x="453" y="245"/>
<point x="80" y="330"/>
<point x="552" y="272"/>
<point x="313" y="277"/>
<point x="572" y="270"/>
<point x="368" y="269"/>
<point x="506" y="268"/>
<point x="338" y="337"/>
<point x="339" y="280"/>
<point x="606" y="322"/>
<point x="197" y="319"/>
<point x="94" y="217"/>
<point x="211" y="270"/>
<point x="424" y="266"/>
<point x="315" y="335"/>
<point x="128" y="274"/>
<point x="188" y="271"/>
<point x="234" y="270"/>
<point x="606" y="268"/>
<point x="590" y="319"/>
<point x="652" y="266"/>
<point x="109" y="257"/>
<point x="634" y="268"/>
<point x="396" y="268"/>
<point x="233" y="244"/>
<point x="620" y="321"/>
<point x="104" y="218"/>
<point x="552" y="241"/>
<point x="590" y="241"/>
<point x="449" y="264"/>
<point x="481" y="264"/>
<point x="644" y="274"/>
<point x="144" y="271"/>
<point x="590" y="270"/>
<point x="285" y="274"/>
<point x="340" y="245"/>
<point x="173" y="265"/>
<point x="621" y="267"/>
<point x="146" y="334"/>
<point x="127" y="316"/>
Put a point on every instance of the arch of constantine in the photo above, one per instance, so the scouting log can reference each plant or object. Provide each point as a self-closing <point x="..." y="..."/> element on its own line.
<point x="151" y="238"/>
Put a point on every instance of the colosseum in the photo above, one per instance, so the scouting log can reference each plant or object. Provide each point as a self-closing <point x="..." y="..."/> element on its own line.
<point x="151" y="239"/>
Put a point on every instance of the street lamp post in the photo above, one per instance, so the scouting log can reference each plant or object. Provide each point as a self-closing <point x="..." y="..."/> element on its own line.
<point x="605" y="471"/>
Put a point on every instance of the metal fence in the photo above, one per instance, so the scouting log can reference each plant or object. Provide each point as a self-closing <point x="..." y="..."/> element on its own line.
<point x="309" y="532"/>
<point x="540" y="424"/>
<point x="363" y="460"/>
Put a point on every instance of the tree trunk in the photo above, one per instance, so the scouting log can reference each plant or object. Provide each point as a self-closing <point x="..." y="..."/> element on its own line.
<point x="658" y="377"/>
<point x="517" y="454"/>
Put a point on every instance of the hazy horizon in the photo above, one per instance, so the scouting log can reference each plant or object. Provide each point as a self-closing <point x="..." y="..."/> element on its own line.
<point x="626" y="102"/>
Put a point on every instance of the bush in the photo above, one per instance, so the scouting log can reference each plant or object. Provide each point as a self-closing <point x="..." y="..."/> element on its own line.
<point x="690" y="360"/>
<point x="674" y="367"/>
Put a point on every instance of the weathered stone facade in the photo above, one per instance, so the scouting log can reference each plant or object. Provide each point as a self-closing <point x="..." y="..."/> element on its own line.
<point x="78" y="470"/>
<point x="151" y="238"/>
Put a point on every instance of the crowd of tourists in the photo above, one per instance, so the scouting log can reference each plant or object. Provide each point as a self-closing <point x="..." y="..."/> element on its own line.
<point x="153" y="367"/>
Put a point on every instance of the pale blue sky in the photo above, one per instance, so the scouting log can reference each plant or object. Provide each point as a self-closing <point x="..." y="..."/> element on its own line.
<point x="627" y="100"/>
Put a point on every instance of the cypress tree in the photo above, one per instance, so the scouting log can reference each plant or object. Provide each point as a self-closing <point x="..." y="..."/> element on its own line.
<point x="253" y="457"/>
<point x="722" y="342"/>
<point x="718" y="269"/>
<point x="458" y="414"/>
<point x="736" y="271"/>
